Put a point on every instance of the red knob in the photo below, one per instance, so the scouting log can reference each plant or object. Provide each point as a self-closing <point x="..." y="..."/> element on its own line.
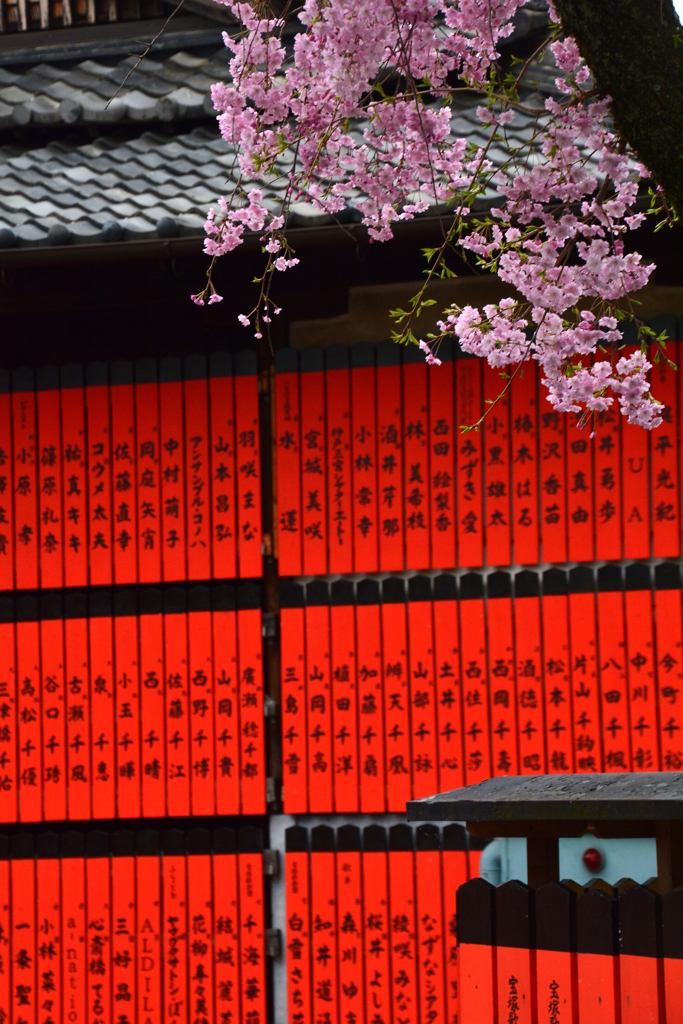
<point x="593" y="859"/>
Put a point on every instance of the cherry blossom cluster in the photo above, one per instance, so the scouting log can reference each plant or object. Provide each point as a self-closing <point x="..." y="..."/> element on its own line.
<point x="358" y="108"/>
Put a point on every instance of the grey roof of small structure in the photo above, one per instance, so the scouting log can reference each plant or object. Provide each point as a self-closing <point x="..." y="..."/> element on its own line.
<point x="633" y="796"/>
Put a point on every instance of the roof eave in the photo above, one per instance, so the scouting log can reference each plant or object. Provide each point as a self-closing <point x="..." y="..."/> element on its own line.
<point x="192" y="246"/>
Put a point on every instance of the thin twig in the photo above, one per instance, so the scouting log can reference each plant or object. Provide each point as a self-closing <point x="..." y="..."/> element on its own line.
<point x="142" y="56"/>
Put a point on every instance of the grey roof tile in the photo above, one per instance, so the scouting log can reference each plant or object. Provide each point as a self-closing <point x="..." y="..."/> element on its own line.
<point x="80" y="78"/>
<point x="30" y="233"/>
<point x="18" y="164"/>
<point x="201" y="196"/>
<point x="179" y="204"/>
<point x="45" y="208"/>
<point x="85" y="231"/>
<point x="37" y="192"/>
<point x="189" y="61"/>
<point x="129" y="169"/>
<point x="189" y="180"/>
<point x="140" y="107"/>
<point x="153" y="85"/>
<point x="60" y="91"/>
<point x="147" y="65"/>
<point x="201" y="82"/>
<point x="104" y="88"/>
<point x="137" y="227"/>
<point x="71" y="215"/>
<point x="161" y="178"/>
<point x="116" y="195"/>
<point x="189" y="102"/>
<point x="16" y="201"/>
<point x="100" y="217"/>
<point x="173" y="75"/>
<point x="47" y="71"/>
<point x="93" y="67"/>
<point x="91" y="82"/>
<point x="137" y="187"/>
<point x="95" y="204"/>
<point x="182" y="166"/>
<point x="155" y="213"/>
<point x="124" y="210"/>
<point x="80" y="174"/>
<point x="147" y="143"/>
<point x="98" y="110"/>
<point x="146" y="202"/>
<point x="44" y="110"/>
<point x="13" y="94"/>
<point x="217" y="184"/>
<point x="151" y="161"/>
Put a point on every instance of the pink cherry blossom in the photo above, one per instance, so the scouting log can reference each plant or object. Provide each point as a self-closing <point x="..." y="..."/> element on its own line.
<point x="360" y="110"/>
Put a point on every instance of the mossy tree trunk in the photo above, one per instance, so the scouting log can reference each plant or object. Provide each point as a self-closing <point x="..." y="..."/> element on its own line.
<point x="635" y="50"/>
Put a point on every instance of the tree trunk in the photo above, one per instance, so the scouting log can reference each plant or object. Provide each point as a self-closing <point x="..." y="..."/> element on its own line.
<point x="635" y="50"/>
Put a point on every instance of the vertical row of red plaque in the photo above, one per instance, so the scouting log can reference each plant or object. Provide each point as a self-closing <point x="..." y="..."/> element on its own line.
<point x="374" y="470"/>
<point x="132" y="933"/>
<point x="140" y="706"/>
<point x="371" y="927"/>
<point x="399" y="690"/>
<point x="131" y="473"/>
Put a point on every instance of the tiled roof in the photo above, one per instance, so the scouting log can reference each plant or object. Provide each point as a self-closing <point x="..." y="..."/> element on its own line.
<point x="148" y="186"/>
<point x="108" y="190"/>
<point x="137" y="180"/>
<point x="92" y="92"/>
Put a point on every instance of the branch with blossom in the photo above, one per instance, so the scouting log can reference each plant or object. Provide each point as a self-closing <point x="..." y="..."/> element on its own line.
<point x="359" y="109"/>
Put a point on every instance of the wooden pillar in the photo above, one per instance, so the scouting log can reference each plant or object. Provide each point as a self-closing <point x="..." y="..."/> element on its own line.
<point x="669" y="855"/>
<point x="542" y="860"/>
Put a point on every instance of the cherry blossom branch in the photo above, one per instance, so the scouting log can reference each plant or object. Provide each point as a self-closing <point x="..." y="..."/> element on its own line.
<point x="360" y="109"/>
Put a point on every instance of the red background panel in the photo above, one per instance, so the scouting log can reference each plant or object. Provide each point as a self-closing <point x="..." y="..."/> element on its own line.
<point x="390" y="458"/>
<point x="608" y="509"/>
<point x="8" y="719"/>
<point x="103" y="716"/>
<point x="524" y="445"/>
<point x="50" y="483"/>
<point x="442" y="454"/>
<point x="416" y="459"/>
<point x="124" y="483"/>
<point x="227" y="711"/>
<point x="197" y="470"/>
<point x="98" y="432"/>
<point x="470" y="509"/>
<point x="580" y="518"/>
<point x="74" y="479"/>
<point x="364" y="462"/>
<point x="223" y="470"/>
<point x="664" y="456"/>
<point x="6" y="495"/>
<point x="288" y="468"/>
<point x="248" y="458"/>
<point x="497" y="467"/>
<point x="553" y="481"/>
<point x="503" y="706"/>
<point x="147" y="465"/>
<point x="25" y="483"/>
